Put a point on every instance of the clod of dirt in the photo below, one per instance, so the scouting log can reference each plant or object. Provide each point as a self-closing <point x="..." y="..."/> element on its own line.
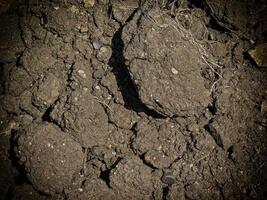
<point x="165" y="68"/>
<point x="83" y="117"/>
<point x="93" y="189"/>
<point x="121" y="117"/>
<point x="47" y="92"/>
<point x="122" y="9"/>
<point x="89" y="3"/>
<point x="259" y="55"/>
<point x="55" y="20"/>
<point x="161" y="142"/>
<point x="51" y="158"/>
<point x="38" y="60"/>
<point x="176" y="192"/>
<point x="240" y="16"/>
<point x="19" y="81"/>
<point x="131" y="180"/>
<point x="25" y="104"/>
<point x="27" y="192"/>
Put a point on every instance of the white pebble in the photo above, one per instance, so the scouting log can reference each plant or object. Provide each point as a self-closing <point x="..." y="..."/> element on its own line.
<point x="82" y="73"/>
<point x="96" y="44"/>
<point x="174" y="71"/>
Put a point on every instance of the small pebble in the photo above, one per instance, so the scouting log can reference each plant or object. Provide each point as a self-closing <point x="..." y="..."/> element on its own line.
<point x="168" y="178"/>
<point x="174" y="71"/>
<point x="84" y="29"/>
<point x="104" y="53"/>
<point x="96" y="44"/>
<point x="82" y="73"/>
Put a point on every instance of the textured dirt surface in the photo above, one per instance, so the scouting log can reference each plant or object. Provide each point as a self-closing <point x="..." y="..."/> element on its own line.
<point x="165" y="68"/>
<point x="132" y="100"/>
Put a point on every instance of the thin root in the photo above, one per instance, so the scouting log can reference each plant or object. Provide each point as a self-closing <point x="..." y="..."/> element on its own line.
<point x="103" y="103"/>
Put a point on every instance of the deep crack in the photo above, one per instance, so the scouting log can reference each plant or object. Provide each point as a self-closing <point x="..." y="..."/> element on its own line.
<point x="124" y="81"/>
<point x="165" y="193"/>
<point x="214" y="134"/>
<point x="142" y="157"/>
<point x="105" y="174"/>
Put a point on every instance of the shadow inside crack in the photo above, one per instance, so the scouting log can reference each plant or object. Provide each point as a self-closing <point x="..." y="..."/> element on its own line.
<point x="124" y="81"/>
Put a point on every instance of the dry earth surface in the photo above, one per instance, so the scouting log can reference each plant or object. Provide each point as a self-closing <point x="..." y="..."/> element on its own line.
<point x="114" y="99"/>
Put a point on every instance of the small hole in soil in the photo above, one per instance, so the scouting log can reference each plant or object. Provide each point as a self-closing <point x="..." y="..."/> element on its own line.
<point x="165" y="193"/>
<point x="46" y="115"/>
<point x="9" y="194"/>
<point x="230" y="151"/>
<point x="212" y="107"/>
<point x="196" y="3"/>
<point x="105" y="174"/>
<point x="213" y="132"/>
<point x="251" y="60"/>
<point x="216" y="26"/>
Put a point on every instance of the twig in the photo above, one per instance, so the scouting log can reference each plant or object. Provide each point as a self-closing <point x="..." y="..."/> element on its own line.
<point x="213" y="85"/>
<point x="210" y="66"/>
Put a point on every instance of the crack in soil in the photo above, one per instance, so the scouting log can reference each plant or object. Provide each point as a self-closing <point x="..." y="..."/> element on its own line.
<point x="165" y="193"/>
<point x="214" y="134"/>
<point x="124" y="81"/>
<point x="105" y="174"/>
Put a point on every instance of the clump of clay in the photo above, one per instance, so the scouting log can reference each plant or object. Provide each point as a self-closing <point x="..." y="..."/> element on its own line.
<point x="51" y="158"/>
<point x="165" y="67"/>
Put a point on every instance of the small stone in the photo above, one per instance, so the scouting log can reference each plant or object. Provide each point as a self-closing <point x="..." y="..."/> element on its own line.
<point x="96" y="44"/>
<point x="98" y="73"/>
<point x="84" y="29"/>
<point x="89" y="3"/>
<point x="174" y="71"/>
<point x="82" y="73"/>
<point x="168" y="178"/>
<point x="104" y="53"/>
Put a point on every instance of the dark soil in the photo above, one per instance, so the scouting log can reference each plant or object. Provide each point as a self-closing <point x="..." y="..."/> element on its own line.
<point x="132" y="100"/>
